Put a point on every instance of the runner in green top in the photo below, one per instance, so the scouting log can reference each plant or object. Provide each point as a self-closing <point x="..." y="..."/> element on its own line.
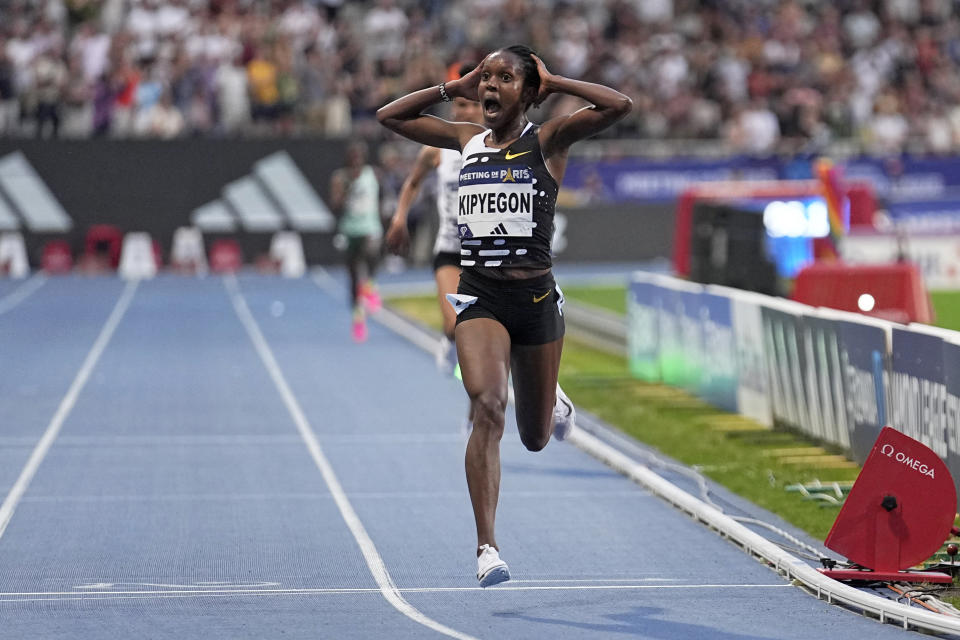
<point x="355" y="194"/>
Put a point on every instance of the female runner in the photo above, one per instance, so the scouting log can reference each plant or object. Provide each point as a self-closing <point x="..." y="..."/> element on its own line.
<point x="509" y="310"/>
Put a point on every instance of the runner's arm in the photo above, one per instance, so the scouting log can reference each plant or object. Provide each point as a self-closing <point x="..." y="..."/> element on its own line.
<point x="608" y="106"/>
<point x="398" y="238"/>
<point x="405" y="115"/>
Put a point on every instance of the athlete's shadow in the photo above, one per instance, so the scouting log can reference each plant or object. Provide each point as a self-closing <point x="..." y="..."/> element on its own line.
<point x="640" y="621"/>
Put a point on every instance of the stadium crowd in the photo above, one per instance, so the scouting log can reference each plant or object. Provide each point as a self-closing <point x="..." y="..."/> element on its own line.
<point x="761" y="75"/>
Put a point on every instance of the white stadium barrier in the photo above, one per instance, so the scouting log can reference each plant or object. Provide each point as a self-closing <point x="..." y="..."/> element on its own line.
<point x="837" y="376"/>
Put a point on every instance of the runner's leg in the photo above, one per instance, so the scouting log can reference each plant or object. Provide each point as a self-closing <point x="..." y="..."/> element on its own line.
<point x="483" y="346"/>
<point x="535" y="369"/>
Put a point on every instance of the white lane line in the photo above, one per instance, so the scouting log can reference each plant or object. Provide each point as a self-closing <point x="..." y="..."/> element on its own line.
<point x="178" y="440"/>
<point x="374" y="562"/>
<point x="397" y="437"/>
<point x="227" y="440"/>
<point x="220" y="593"/>
<point x="17" y="441"/>
<point x="198" y="497"/>
<point x="593" y="580"/>
<point x="22" y="292"/>
<point x="66" y="405"/>
<point x="325" y="281"/>
<point x="359" y="495"/>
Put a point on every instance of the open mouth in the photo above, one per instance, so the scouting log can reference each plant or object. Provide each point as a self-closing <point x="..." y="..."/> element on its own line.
<point x="491" y="107"/>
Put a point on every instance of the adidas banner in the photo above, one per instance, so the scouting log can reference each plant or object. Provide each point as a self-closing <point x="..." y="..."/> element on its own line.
<point x="248" y="189"/>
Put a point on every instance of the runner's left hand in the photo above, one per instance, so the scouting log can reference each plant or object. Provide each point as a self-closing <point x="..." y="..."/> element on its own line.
<point x="545" y="81"/>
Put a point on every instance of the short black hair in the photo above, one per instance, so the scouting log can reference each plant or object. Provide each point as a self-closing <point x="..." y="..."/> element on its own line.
<point x="466" y="68"/>
<point x="531" y="76"/>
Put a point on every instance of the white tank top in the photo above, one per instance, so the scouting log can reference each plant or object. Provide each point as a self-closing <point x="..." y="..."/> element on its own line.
<point x="448" y="182"/>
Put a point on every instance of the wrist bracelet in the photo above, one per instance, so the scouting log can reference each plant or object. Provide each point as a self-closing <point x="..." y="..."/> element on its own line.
<point x="443" y="92"/>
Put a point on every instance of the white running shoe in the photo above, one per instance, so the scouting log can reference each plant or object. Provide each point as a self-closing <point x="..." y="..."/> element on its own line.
<point x="446" y="356"/>
<point x="564" y="416"/>
<point x="491" y="569"/>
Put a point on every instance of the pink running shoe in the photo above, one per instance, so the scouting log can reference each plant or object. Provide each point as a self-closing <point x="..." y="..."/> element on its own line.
<point x="370" y="297"/>
<point x="359" y="331"/>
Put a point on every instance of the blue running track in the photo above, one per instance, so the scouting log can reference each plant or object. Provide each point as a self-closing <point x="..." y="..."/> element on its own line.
<point x="198" y="466"/>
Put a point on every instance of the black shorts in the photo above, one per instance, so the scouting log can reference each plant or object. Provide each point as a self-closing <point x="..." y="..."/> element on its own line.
<point x="531" y="309"/>
<point x="446" y="259"/>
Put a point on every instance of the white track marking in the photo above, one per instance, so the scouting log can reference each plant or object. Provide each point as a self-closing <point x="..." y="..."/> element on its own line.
<point x="66" y="405"/>
<point x="374" y="562"/>
<point x="325" y="281"/>
<point x="160" y="594"/>
<point x="359" y="495"/>
<point x="179" y="440"/>
<point x="193" y="440"/>
<point x="22" y="292"/>
<point x="407" y="329"/>
<point x="198" y="497"/>
<point x="592" y="580"/>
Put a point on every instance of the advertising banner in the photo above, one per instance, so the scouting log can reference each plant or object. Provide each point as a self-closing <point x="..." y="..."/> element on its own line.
<point x="785" y="356"/>
<point x="917" y="391"/>
<point x="679" y="334"/>
<point x="630" y="179"/>
<point x="252" y="188"/>
<point x="753" y="379"/>
<point x="719" y="379"/>
<point x="824" y="380"/>
<point x="864" y="360"/>
<point x="691" y="337"/>
<point x="951" y="375"/>
<point x="837" y="376"/>
<point x="645" y="180"/>
<point x="923" y="216"/>
<point x="644" y="302"/>
<point x="937" y="256"/>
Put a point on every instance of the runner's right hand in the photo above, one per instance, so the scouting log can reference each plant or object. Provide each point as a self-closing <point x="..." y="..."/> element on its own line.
<point x="398" y="237"/>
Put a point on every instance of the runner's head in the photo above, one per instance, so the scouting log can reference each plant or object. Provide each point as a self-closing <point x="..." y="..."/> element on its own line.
<point x="356" y="153"/>
<point x="509" y="84"/>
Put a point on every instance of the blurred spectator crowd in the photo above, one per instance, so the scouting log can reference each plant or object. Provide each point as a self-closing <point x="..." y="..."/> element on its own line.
<point x="761" y="76"/>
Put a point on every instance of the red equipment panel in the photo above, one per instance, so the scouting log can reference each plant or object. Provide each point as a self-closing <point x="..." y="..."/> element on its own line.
<point x="901" y="507"/>
<point x="897" y="289"/>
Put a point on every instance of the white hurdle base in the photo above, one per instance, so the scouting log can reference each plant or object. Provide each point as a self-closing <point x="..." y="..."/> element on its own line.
<point x="286" y="249"/>
<point x="187" y="252"/>
<point x="137" y="261"/>
<point x="13" y="255"/>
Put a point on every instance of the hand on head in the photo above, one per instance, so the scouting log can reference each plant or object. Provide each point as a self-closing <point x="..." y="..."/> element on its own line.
<point x="545" y="78"/>
<point x="467" y="85"/>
